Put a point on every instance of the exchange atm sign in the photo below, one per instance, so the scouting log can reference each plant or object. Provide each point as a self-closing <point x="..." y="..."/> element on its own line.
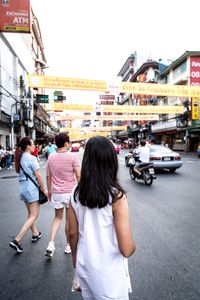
<point x="15" y="16"/>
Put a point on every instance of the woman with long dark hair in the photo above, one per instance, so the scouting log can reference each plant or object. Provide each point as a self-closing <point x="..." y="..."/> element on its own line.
<point x="99" y="225"/>
<point x="27" y="163"/>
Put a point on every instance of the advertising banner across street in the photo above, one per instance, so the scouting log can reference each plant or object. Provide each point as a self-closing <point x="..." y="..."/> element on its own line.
<point x="39" y="81"/>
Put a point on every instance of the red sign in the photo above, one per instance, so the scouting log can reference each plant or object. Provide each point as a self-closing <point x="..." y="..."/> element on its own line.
<point x="107" y="97"/>
<point x="195" y="71"/>
<point x="15" y="16"/>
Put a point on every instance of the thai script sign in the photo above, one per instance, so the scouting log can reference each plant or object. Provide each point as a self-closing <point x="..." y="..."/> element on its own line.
<point x="39" y="81"/>
<point x="87" y="129"/>
<point x="117" y="108"/>
<point x="110" y="117"/>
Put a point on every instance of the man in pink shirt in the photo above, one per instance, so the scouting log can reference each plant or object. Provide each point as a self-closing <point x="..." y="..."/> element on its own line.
<point x="62" y="173"/>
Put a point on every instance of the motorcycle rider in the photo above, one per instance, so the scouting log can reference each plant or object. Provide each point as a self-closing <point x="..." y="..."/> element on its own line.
<point x="142" y="152"/>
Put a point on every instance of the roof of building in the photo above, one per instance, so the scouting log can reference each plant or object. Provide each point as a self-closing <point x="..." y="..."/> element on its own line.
<point x="145" y="66"/>
<point x="178" y="61"/>
<point x="126" y="65"/>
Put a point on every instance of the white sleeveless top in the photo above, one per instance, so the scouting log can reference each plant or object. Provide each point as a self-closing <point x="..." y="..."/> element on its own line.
<point x="101" y="268"/>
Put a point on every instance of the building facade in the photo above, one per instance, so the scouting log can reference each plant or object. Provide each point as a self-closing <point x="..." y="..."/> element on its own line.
<point x="180" y="132"/>
<point x="21" y="54"/>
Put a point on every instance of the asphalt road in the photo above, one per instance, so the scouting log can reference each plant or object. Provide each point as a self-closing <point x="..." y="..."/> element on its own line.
<point x="166" y="227"/>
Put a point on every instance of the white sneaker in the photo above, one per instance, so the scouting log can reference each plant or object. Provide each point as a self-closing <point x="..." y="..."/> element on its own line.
<point x="75" y="284"/>
<point x="67" y="249"/>
<point x="50" y="250"/>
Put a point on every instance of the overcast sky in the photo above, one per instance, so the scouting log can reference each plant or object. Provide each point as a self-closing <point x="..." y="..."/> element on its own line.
<point x="91" y="39"/>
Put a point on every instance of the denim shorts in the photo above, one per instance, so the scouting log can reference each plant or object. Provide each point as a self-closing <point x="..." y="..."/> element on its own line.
<point x="60" y="200"/>
<point x="28" y="191"/>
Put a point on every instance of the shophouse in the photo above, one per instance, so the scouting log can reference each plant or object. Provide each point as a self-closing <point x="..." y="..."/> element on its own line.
<point x="148" y="72"/>
<point x="126" y="73"/>
<point x="180" y="132"/>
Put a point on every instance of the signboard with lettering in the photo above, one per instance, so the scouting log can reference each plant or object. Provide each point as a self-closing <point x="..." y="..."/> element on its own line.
<point x="39" y="81"/>
<point x="15" y="16"/>
<point x="107" y="97"/>
<point x="147" y="109"/>
<point x="123" y="117"/>
<point x="195" y="71"/>
<point x="195" y="108"/>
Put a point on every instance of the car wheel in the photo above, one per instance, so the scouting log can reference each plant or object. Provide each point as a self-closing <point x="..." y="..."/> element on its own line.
<point x="172" y="170"/>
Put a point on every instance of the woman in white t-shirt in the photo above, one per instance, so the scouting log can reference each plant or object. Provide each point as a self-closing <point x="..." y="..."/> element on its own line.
<point x="99" y="226"/>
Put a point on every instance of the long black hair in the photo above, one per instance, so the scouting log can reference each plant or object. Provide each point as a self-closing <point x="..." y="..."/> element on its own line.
<point x="24" y="142"/>
<point x="99" y="171"/>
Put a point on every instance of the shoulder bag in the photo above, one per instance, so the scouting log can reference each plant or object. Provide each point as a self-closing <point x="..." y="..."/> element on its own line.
<point x="42" y="197"/>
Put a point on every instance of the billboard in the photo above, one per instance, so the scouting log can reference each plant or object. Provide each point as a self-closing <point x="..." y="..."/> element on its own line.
<point x="15" y="16"/>
<point x="195" y="71"/>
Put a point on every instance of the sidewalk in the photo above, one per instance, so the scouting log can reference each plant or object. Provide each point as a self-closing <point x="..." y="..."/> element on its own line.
<point x="189" y="154"/>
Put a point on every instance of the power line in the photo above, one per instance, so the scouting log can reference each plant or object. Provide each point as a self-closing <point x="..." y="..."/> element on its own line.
<point x="8" y="93"/>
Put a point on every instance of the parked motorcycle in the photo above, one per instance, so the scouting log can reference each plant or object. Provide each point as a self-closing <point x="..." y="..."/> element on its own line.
<point x="146" y="169"/>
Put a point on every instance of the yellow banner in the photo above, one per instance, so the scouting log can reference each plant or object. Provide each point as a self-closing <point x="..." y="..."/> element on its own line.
<point x="159" y="89"/>
<point x="86" y="129"/>
<point x="63" y="106"/>
<point x="71" y="118"/>
<point x="129" y="117"/>
<point x="51" y="82"/>
<point x="39" y="81"/>
<point x="158" y="109"/>
<point x="85" y="136"/>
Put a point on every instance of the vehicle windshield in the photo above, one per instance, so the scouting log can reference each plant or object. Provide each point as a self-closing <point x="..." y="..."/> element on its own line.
<point x="160" y="149"/>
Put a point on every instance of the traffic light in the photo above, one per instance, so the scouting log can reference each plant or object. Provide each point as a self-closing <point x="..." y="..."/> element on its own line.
<point x="59" y="98"/>
<point x="42" y="98"/>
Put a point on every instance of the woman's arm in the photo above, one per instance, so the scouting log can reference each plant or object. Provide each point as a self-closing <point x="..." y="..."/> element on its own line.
<point x="73" y="233"/>
<point x="48" y="181"/>
<point x="77" y="173"/>
<point x="39" y="180"/>
<point x="123" y="227"/>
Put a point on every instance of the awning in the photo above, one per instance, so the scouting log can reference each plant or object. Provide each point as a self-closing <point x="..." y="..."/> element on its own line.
<point x="195" y="129"/>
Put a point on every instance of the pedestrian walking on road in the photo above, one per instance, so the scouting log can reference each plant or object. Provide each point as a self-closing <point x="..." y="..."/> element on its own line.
<point x="2" y="158"/>
<point x="52" y="148"/>
<point x="8" y="156"/>
<point x="99" y="226"/>
<point x="63" y="172"/>
<point x="25" y="162"/>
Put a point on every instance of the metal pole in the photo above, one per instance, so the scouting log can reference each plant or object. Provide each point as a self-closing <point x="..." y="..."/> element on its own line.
<point x="12" y="128"/>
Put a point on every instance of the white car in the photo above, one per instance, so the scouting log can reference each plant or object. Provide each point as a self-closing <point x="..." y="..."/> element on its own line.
<point x="162" y="158"/>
